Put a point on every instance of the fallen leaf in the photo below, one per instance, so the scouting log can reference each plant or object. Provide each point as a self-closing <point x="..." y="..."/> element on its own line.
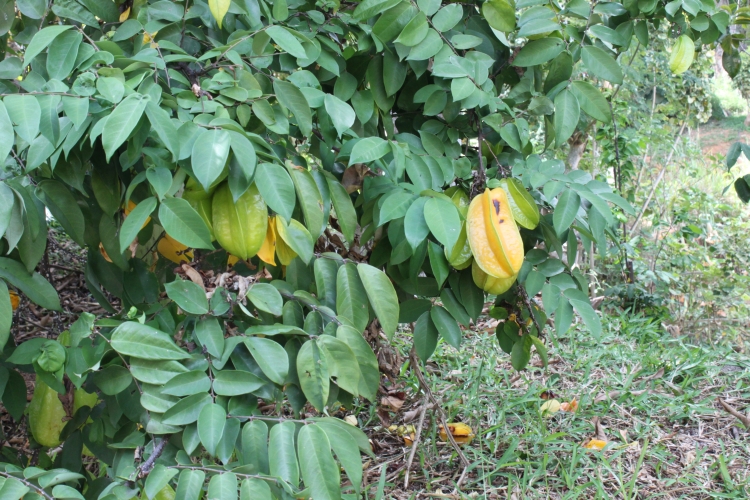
<point x="351" y="420"/>
<point x="14" y="299"/>
<point x="571" y="406"/>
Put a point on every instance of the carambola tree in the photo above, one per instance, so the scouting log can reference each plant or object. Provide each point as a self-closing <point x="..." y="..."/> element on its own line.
<point x="266" y="190"/>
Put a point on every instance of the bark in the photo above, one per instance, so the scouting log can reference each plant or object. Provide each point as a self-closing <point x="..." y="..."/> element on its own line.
<point x="578" y="142"/>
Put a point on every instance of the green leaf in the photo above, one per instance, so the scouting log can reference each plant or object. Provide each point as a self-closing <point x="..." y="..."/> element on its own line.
<point x="500" y="14"/>
<point x="223" y="486"/>
<point x="270" y="356"/>
<point x="187" y="384"/>
<point x="277" y="189"/>
<point x="210" y="335"/>
<point x="6" y="314"/>
<point x="345" y="212"/>
<point x="539" y="52"/>
<point x="42" y="40"/>
<point x="142" y="341"/>
<point x="600" y="64"/>
<point x="342" y="363"/>
<point x="446" y="325"/>
<point x="236" y="382"/>
<point x="369" y="379"/>
<point x="25" y="112"/>
<point x="342" y="115"/>
<point x="541" y="349"/>
<point x="113" y="379"/>
<point x="157" y="479"/>
<point x="427" y="48"/>
<point x="438" y="262"/>
<point x="346" y="449"/>
<point x="351" y="297"/>
<point x="6" y="130"/>
<point x="297" y="237"/>
<point x="282" y="459"/>
<point x="184" y="224"/>
<point x="33" y="285"/>
<point x="591" y="100"/>
<point x="369" y="8"/>
<point x="156" y="372"/>
<point x="254" y="441"/>
<point x="162" y="125"/>
<point x="211" y="423"/>
<point x="425" y="336"/>
<point x="369" y="149"/>
<point x="160" y="179"/>
<point x="566" y="210"/>
<point x="190" y="484"/>
<point x="63" y="207"/>
<point x="292" y="99"/>
<point x="187" y="410"/>
<point x="450" y="15"/>
<point x="266" y="298"/>
<point x="135" y="221"/>
<point x="13" y="489"/>
<point x="414" y="32"/>
<point x="567" y="112"/>
<point x="309" y="198"/>
<point x="209" y="156"/>
<point x="521" y="353"/>
<point x="242" y="165"/>
<point x="188" y="296"/>
<point x="581" y="304"/>
<point x="382" y="297"/>
<point x="319" y="470"/>
<point x="443" y="220"/>
<point x="122" y="121"/>
<point x="287" y="41"/>
<point x="312" y="370"/>
<point x="62" y="54"/>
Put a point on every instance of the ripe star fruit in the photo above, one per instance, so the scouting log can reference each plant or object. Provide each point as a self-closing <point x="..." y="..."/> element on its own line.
<point x="268" y="249"/>
<point x="495" y="286"/>
<point x="174" y="250"/>
<point x="240" y="227"/>
<point x="46" y="414"/>
<point x="493" y="235"/>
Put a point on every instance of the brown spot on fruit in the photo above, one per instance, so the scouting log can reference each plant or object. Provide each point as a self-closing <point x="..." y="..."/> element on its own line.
<point x="497" y="206"/>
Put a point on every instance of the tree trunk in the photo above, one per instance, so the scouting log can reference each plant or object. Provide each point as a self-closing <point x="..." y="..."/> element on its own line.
<point x="578" y="142"/>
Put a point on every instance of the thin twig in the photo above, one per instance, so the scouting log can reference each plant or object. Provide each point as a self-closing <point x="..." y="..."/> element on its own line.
<point x="527" y="301"/>
<point x="422" y="413"/>
<point x="30" y="485"/>
<point x="441" y="414"/>
<point x="634" y="227"/>
<point x="742" y="418"/>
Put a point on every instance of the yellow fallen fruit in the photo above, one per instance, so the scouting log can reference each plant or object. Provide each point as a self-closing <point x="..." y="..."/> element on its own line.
<point x="493" y="235"/>
<point x="46" y="414"/>
<point x="550" y="407"/>
<point x="268" y="249"/>
<point x="595" y="444"/>
<point x="571" y="406"/>
<point x="461" y="432"/>
<point x="15" y="300"/>
<point x="174" y="250"/>
<point x="494" y="286"/>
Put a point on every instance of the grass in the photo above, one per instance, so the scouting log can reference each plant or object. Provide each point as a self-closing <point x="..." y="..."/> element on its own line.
<point x="655" y="395"/>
